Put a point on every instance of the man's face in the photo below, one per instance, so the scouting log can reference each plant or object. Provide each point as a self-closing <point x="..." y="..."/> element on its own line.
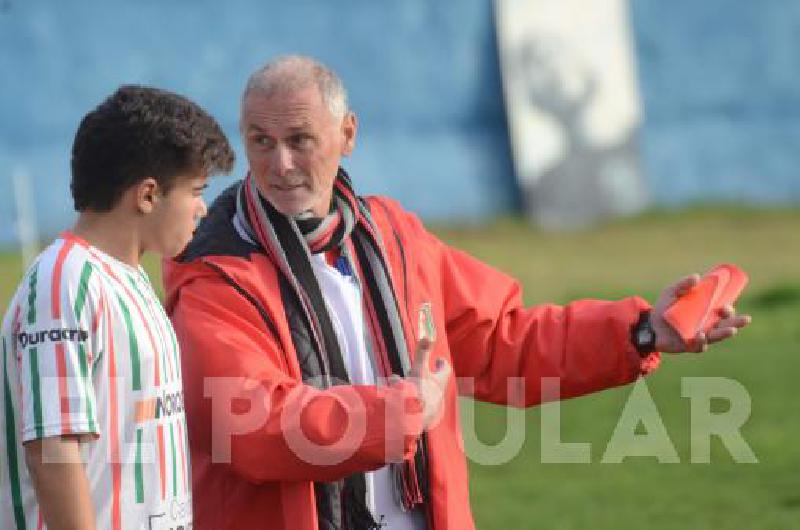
<point x="172" y="222"/>
<point x="294" y="146"/>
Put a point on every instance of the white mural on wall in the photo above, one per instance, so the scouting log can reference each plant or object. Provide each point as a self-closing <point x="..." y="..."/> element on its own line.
<point x="573" y="107"/>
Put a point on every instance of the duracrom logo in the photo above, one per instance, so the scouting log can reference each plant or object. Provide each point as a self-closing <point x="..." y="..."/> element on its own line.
<point x="32" y="338"/>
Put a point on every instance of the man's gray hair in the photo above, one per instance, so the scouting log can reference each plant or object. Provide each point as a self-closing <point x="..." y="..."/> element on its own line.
<point x="295" y="72"/>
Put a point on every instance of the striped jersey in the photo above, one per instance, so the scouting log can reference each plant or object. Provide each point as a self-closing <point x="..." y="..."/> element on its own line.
<point x="88" y="349"/>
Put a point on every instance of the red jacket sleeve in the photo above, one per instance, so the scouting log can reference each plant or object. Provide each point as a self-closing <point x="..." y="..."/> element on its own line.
<point x="245" y="409"/>
<point x="494" y="338"/>
<point x="502" y="351"/>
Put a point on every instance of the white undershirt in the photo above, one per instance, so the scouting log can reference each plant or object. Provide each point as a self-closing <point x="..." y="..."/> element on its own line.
<point x="343" y="298"/>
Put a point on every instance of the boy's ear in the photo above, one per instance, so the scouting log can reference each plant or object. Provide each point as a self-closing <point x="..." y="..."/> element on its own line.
<point x="146" y="195"/>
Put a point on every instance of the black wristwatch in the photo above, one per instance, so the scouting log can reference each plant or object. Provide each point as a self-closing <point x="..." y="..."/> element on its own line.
<point x="643" y="336"/>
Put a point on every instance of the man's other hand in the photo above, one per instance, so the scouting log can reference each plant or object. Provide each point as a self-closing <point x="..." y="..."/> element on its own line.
<point x="668" y="340"/>
<point x="431" y="384"/>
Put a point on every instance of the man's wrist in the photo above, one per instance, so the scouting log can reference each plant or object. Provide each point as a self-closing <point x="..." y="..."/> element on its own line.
<point x="643" y="336"/>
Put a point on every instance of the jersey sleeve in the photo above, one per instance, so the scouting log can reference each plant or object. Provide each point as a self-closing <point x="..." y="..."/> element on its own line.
<point x="55" y="345"/>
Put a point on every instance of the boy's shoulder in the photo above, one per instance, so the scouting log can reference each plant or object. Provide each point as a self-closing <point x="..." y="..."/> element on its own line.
<point x="64" y="260"/>
<point x="65" y="268"/>
<point x="50" y="274"/>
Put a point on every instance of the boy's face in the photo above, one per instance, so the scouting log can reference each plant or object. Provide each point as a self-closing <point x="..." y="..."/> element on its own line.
<point x="173" y="219"/>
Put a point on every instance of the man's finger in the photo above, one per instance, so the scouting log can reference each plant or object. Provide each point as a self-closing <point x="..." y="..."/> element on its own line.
<point x="718" y="334"/>
<point x="738" y="321"/>
<point x="699" y="344"/>
<point x="423" y="357"/>
<point x="684" y="285"/>
<point x="424" y="346"/>
<point x="727" y="312"/>
<point x="678" y="289"/>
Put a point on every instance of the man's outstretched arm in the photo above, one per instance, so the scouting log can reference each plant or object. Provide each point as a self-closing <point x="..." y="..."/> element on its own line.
<point x="495" y="341"/>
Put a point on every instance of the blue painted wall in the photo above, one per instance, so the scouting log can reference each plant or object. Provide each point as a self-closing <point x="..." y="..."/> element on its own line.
<point x="423" y="77"/>
<point x="720" y="82"/>
<point x="721" y="86"/>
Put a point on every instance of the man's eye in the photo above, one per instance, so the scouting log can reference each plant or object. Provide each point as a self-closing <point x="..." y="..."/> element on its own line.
<point x="302" y="141"/>
<point x="261" y="140"/>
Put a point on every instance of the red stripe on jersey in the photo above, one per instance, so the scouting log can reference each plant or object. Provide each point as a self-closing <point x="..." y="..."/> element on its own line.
<point x="162" y="462"/>
<point x="97" y="314"/>
<point x="181" y="441"/>
<point x="55" y="287"/>
<point x="67" y="235"/>
<point x="61" y="361"/>
<point x="171" y="374"/>
<point x="116" y="470"/>
<point x="61" y="367"/>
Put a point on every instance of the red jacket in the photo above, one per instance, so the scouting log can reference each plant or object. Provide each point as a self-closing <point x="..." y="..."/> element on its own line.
<point x="483" y="330"/>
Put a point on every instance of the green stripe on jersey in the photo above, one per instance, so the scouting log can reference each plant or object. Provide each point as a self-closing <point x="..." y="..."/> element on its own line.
<point x="135" y="287"/>
<point x="85" y="384"/>
<point x="134" y="345"/>
<point x="32" y="294"/>
<point x="174" y="460"/>
<point x="137" y="473"/>
<point x="83" y="287"/>
<point x="36" y="387"/>
<point x="80" y="302"/>
<point x="11" y="449"/>
<point x="187" y="461"/>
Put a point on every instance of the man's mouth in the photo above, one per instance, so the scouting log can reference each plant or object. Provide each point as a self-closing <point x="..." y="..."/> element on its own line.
<point x="287" y="187"/>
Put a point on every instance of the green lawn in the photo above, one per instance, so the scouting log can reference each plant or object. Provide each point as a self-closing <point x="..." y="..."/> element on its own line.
<point x="640" y="256"/>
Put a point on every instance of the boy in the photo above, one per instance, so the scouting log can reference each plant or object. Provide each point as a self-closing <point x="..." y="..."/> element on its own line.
<point x="94" y="434"/>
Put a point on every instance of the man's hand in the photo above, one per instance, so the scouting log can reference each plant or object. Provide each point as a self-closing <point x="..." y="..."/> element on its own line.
<point x="430" y="384"/>
<point x="59" y="478"/>
<point x="668" y="340"/>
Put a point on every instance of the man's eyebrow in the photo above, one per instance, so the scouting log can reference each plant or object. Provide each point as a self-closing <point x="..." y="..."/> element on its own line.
<point x="294" y="129"/>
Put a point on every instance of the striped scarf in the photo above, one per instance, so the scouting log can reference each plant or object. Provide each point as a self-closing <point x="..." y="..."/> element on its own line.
<point x="289" y="243"/>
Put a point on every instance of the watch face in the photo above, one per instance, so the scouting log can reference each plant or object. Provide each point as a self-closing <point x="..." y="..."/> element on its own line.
<point x="645" y="335"/>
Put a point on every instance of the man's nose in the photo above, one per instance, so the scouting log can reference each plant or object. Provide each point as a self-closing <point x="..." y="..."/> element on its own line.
<point x="202" y="209"/>
<point x="281" y="161"/>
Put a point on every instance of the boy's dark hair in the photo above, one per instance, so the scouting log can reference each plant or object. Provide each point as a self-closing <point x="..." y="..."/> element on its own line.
<point x="141" y="132"/>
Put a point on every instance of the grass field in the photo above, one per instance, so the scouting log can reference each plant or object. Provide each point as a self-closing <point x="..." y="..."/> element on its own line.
<point x="640" y="256"/>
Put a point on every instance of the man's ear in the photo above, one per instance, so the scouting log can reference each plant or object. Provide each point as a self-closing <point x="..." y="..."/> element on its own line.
<point x="349" y="129"/>
<point x="146" y="195"/>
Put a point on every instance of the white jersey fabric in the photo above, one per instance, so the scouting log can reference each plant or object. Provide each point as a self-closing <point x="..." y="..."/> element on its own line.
<point x="88" y="349"/>
<point x="343" y="297"/>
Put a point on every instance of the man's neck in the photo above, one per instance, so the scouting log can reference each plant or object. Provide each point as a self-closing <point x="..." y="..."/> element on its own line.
<point x="116" y="235"/>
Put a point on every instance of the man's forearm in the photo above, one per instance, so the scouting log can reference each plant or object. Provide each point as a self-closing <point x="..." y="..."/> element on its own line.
<point x="62" y="487"/>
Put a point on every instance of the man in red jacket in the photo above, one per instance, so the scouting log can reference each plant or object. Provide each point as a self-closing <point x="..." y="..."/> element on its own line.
<point x="320" y="330"/>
